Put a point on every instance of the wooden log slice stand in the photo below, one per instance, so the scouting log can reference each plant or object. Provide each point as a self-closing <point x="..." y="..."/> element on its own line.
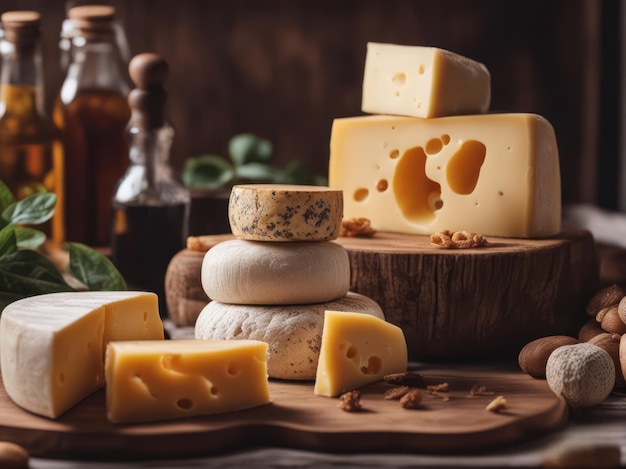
<point x="476" y="303"/>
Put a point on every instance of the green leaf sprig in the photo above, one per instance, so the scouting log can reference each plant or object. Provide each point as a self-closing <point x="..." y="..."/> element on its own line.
<point x="249" y="161"/>
<point x="24" y="271"/>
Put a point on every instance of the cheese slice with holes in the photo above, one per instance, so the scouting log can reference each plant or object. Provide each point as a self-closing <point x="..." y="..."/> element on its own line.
<point x="357" y="349"/>
<point x="285" y="212"/>
<point x="52" y="346"/>
<point x="163" y="380"/>
<point x="423" y="82"/>
<point x="493" y="174"/>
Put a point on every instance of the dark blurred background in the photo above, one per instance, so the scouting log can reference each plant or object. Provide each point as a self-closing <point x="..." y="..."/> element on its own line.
<point x="284" y="69"/>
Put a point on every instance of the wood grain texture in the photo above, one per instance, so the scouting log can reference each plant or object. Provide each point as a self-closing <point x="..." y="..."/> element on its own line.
<point x="476" y="303"/>
<point x="297" y="418"/>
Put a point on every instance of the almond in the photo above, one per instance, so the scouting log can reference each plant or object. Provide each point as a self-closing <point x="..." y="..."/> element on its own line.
<point x="610" y="344"/>
<point x="608" y="296"/>
<point x="533" y="357"/>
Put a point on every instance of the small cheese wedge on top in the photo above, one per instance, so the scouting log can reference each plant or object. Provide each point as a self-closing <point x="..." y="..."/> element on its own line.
<point x="52" y="346"/>
<point x="357" y="349"/>
<point x="418" y="81"/>
<point x="162" y="380"/>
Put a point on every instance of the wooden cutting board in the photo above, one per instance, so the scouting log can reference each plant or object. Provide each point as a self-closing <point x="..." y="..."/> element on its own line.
<point x="297" y="418"/>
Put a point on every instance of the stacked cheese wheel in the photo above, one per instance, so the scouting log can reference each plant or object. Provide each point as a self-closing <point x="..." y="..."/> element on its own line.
<point x="275" y="281"/>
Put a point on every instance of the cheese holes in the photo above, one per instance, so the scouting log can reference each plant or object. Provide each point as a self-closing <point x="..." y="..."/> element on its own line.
<point x="394" y="154"/>
<point x="382" y="185"/>
<point x="399" y="79"/>
<point x="463" y="169"/>
<point x="233" y="369"/>
<point x="184" y="403"/>
<point x="421" y="69"/>
<point x="434" y="146"/>
<point x="361" y="194"/>
<point x="373" y="366"/>
<point x="417" y="196"/>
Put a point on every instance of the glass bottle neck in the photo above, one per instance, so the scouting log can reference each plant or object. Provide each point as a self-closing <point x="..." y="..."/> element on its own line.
<point x="150" y="179"/>
<point x="96" y="65"/>
<point x="21" y="80"/>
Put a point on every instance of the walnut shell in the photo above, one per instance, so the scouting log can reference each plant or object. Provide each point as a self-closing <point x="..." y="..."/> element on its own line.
<point x="608" y="296"/>
<point x="621" y="309"/>
<point x="534" y="355"/>
<point x="610" y="343"/>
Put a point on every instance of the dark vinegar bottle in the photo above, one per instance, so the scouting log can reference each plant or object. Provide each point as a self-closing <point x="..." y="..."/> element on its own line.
<point x="151" y="204"/>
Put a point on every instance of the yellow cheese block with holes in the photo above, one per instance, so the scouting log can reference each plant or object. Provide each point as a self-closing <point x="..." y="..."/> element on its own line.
<point x="421" y="81"/>
<point x="493" y="174"/>
<point x="163" y="380"/>
<point x="357" y="349"/>
<point x="285" y="212"/>
<point x="52" y="346"/>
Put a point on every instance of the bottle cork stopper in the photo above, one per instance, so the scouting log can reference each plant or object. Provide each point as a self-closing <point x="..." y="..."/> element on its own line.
<point x="148" y="72"/>
<point x="21" y="27"/>
<point x="92" y="13"/>
<point x="93" y="20"/>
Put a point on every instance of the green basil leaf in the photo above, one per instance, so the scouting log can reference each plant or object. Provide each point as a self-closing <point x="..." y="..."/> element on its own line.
<point x="248" y="148"/>
<point x="207" y="172"/>
<point x="6" y="198"/>
<point x="258" y="172"/>
<point x="8" y="240"/>
<point x="93" y="269"/>
<point x="29" y="238"/>
<point x="31" y="210"/>
<point x="28" y="272"/>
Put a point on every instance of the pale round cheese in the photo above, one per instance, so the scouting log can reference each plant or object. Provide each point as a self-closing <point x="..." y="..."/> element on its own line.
<point x="282" y="212"/>
<point x="293" y="332"/>
<point x="52" y="346"/>
<point x="254" y="272"/>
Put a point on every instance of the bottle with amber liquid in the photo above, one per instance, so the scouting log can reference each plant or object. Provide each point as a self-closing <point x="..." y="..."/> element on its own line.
<point x="31" y="153"/>
<point x="151" y="203"/>
<point x="92" y="113"/>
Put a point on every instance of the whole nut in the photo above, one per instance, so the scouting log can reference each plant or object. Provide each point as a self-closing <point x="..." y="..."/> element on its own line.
<point x="583" y="374"/>
<point x="534" y="355"/>
<point x="604" y="311"/>
<point x="610" y="343"/>
<point x="12" y="456"/>
<point x="622" y="354"/>
<point x="608" y="296"/>
<point x="590" y="329"/>
<point x="611" y="322"/>
<point x="621" y="309"/>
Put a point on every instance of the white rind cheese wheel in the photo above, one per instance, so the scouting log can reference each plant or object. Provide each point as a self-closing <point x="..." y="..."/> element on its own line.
<point x="293" y="333"/>
<point x="281" y="212"/>
<point x="252" y="272"/>
<point x="52" y="346"/>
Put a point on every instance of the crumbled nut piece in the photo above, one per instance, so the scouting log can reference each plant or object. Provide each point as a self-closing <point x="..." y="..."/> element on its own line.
<point x="440" y="390"/>
<point x="356" y="227"/>
<point x="350" y="401"/>
<point x="442" y="239"/>
<point x="479" y="390"/>
<point x="412" y="399"/>
<point x="396" y="392"/>
<point x="498" y="404"/>
<point x="458" y="240"/>
<point x="443" y="387"/>
<point x="408" y="378"/>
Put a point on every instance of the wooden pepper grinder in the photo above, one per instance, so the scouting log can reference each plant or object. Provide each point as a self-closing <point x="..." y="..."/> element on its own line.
<point x="151" y="203"/>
